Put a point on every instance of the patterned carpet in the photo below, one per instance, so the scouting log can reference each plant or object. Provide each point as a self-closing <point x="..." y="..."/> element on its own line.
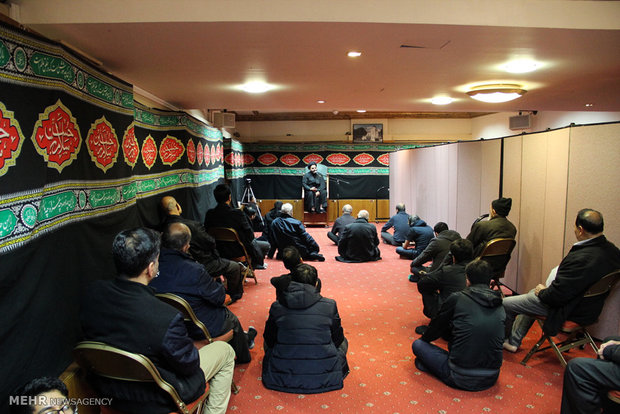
<point x="380" y="309"/>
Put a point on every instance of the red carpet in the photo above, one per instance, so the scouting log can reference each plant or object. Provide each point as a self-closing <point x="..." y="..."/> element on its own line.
<point x="380" y="309"/>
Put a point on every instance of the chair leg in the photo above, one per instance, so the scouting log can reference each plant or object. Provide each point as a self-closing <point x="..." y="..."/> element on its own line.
<point x="534" y="349"/>
<point x="234" y="388"/>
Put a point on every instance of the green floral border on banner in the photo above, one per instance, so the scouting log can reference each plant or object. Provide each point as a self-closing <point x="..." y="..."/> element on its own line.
<point x="27" y="215"/>
<point x="27" y="60"/>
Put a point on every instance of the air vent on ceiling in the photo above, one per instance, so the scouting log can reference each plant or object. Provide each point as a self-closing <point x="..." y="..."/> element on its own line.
<point x="224" y="119"/>
<point x="520" y="122"/>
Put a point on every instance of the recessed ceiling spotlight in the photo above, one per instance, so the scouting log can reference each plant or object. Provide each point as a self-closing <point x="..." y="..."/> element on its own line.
<point x="354" y="53"/>
<point x="521" y="66"/>
<point x="496" y="93"/>
<point x="256" y="87"/>
<point x="442" y="100"/>
<point x="589" y="105"/>
<point x="320" y="101"/>
<point x="361" y="111"/>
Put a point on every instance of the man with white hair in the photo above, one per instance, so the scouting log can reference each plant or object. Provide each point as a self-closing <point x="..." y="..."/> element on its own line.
<point x="288" y="231"/>
<point x="359" y="242"/>
<point x="341" y="222"/>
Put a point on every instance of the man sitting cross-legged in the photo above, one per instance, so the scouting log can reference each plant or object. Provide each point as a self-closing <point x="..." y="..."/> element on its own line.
<point x="125" y="313"/>
<point x="436" y="251"/>
<point x="288" y="231"/>
<point x="359" y="242"/>
<point x="473" y="320"/>
<point x="181" y="275"/>
<point x="340" y="223"/>
<point x="305" y="347"/>
<point x="435" y="287"/>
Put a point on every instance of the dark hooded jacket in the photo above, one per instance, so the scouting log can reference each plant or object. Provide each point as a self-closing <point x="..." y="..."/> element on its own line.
<point x="420" y="233"/>
<point x="302" y="341"/>
<point x="288" y="231"/>
<point x="436" y="250"/>
<point x="473" y="320"/>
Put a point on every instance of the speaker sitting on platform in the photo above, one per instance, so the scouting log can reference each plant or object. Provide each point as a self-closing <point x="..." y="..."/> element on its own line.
<point x="315" y="189"/>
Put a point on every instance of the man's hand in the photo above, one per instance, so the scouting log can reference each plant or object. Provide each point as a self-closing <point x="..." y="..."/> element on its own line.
<point x="538" y="288"/>
<point x="605" y="345"/>
<point x="317" y="193"/>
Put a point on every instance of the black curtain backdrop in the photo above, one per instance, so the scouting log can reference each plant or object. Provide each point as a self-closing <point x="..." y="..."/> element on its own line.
<point x="79" y="162"/>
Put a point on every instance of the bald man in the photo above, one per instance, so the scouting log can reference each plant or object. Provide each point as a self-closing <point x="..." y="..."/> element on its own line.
<point x="591" y="258"/>
<point x="202" y="249"/>
<point x="340" y="223"/>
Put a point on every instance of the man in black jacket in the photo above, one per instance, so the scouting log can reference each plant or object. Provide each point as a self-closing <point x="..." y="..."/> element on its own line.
<point x="315" y="190"/>
<point x="473" y="320"/>
<point x="288" y="231"/>
<point x="203" y="249"/>
<point x="591" y="258"/>
<point x="436" y="251"/>
<point x="418" y="238"/>
<point x="340" y="223"/>
<point x="435" y="287"/>
<point x="587" y="380"/>
<point x="224" y="215"/>
<point x="125" y="313"/>
<point x="181" y="275"/>
<point x="359" y="242"/>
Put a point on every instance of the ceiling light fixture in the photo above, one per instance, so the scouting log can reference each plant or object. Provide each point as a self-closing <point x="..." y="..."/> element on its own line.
<point x="320" y="101"/>
<point x="521" y="66"/>
<point x="354" y="53"/>
<point x="442" y="100"/>
<point x="496" y="93"/>
<point x="256" y="87"/>
<point x="361" y="111"/>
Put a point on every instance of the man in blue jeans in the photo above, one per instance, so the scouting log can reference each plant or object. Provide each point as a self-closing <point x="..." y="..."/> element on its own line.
<point x="473" y="323"/>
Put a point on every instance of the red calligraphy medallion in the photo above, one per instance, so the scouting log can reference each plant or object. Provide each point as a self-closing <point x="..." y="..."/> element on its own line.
<point x="149" y="152"/>
<point x="289" y="159"/>
<point x="207" y="155"/>
<point x="11" y="139"/>
<point x="131" y="149"/>
<point x="214" y="154"/>
<point x="191" y="152"/>
<point x="57" y="137"/>
<point x="220" y="156"/>
<point x="363" y="159"/>
<point x="312" y="158"/>
<point x="230" y="158"/>
<point x="199" y="153"/>
<point x="338" y="158"/>
<point x="248" y="159"/>
<point x="267" y="158"/>
<point x="384" y="159"/>
<point x="171" y="150"/>
<point x="102" y="144"/>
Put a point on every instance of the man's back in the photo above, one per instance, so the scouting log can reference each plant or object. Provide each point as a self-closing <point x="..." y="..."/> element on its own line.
<point x="359" y="242"/>
<point x="341" y="222"/>
<point x="486" y="230"/>
<point x="288" y="231"/>
<point x="225" y="216"/>
<point x="400" y="222"/>
<point x="127" y="315"/>
<point x="437" y="249"/>
<point x="181" y="275"/>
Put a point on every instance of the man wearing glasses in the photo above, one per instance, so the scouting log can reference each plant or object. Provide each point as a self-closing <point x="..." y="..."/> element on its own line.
<point x="46" y="395"/>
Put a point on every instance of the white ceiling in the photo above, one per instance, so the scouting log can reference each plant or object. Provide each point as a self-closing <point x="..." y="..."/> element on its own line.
<point x="193" y="53"/>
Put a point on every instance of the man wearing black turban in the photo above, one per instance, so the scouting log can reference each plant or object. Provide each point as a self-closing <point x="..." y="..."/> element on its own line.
<point x="498" y="226"/>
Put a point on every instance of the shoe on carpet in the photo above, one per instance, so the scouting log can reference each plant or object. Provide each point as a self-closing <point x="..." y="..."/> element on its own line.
<point x="420" y="330"/>
<point x="414" y="278"/>
<point x="510" y="347"/>
<point x="261" y="267"/>
<point x="251" y="333"/>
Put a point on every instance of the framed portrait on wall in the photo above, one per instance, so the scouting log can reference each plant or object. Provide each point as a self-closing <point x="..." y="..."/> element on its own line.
<point x="367" y="132"/>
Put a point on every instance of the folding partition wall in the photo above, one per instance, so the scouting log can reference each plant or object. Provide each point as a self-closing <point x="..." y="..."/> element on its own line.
<point x="549" y="175"/>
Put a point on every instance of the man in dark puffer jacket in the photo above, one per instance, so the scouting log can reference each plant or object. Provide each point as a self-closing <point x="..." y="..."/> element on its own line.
<point x="305" y="347"/>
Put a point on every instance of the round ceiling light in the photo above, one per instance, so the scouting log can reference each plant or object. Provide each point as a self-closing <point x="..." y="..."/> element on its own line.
<point x="496" y="93"/>
<point x="442" y="100"/>
<point x="256" y="87"/>
<point x="521" y="66"/>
